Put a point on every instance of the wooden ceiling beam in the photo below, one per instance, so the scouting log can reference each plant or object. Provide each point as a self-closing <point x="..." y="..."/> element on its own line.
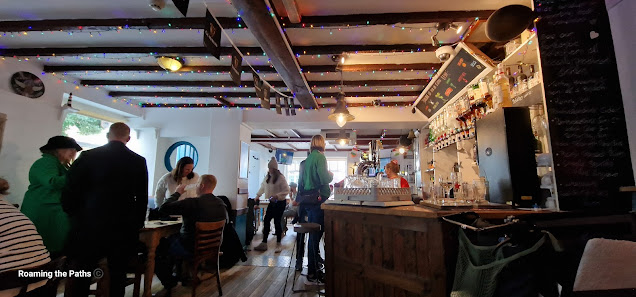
<point x="250" y="83"/>
<point x="293" y="147"/>
<point x="308" y="139"/>
<point x="266" y="30"/>
<point x="271" y="134"/>
<point x="295" y="133"/>
<point x="257" y="105"/>
<point x="202" y="51"/>
<point x="225" y="69"/>
<point x="234" y="23"/>
<point x="224" y="102"/>
<point x="292" y="140"/>
<point x="116" y="24"/>
<point x="252" y="94"/>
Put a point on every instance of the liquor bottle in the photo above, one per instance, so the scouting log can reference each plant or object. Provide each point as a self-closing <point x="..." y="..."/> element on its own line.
<point x="522" y="80"/>
<point x="511" y="79"/>
<point x="501" y="90"/>
<point x="538" y="149"/>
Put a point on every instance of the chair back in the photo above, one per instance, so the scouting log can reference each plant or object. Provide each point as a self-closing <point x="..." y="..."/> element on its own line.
<point x="208" y="239"/>
<point x="607" y="264"/>
<point x="11" y="279"/>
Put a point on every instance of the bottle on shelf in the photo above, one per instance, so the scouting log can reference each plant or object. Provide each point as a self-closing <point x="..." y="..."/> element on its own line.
<point x="522" y="80"/>
<point x="512" y="81"/>
<point x="501" y="89"/>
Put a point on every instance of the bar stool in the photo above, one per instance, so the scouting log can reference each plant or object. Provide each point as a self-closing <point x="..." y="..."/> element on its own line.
<point x="303" y="229"/>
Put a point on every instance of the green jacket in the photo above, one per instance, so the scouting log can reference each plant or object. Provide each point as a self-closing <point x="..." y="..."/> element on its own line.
<point x="316" y="175"/>
<point x="47" y="178"/>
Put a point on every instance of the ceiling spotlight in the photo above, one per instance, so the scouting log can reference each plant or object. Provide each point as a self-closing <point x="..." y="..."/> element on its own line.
<point x="170" y="63"/>
<point x="459" y="30"/>
<point x="411" y="135"/>
<point x="401" y="150"/>
<point x="338" y="59"/>
<point x="341" y="114"/>
<point x="342" y="138"/>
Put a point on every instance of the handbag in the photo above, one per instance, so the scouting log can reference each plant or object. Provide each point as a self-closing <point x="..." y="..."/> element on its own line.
<point x="306" y="196"/>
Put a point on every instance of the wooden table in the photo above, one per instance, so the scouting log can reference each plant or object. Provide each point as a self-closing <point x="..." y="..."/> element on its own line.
<point x="151" y="234"/>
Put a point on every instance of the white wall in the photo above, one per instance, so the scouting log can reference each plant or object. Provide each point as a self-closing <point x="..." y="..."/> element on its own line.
<point x="623" y="24"/>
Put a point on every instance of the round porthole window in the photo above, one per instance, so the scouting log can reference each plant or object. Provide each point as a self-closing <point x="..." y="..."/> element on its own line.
<point x="179" y="150"/>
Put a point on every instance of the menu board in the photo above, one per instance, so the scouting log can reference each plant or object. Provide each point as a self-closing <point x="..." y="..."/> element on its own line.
<point x="460" y="71"/>
<point x="585" y="109"/>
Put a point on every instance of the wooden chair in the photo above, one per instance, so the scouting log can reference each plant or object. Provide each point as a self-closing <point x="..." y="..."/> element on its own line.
<point x="207" y="244"/>
<point x="11" y="280"/>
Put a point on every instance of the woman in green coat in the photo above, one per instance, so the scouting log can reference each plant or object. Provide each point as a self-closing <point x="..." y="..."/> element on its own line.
<point x="47" y="178"/>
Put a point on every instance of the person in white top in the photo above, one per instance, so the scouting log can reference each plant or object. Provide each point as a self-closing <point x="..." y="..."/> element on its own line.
<point x="182" y="174"/>
<point x="276" y="189"/>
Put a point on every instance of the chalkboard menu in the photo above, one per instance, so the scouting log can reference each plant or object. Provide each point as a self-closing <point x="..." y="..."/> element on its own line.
<point x="584" y="104"/>
<point x="460" y="71"/>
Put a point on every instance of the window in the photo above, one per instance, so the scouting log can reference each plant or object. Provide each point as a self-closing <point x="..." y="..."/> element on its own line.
<point x="336" y="165"/>
<point x="179" y="150"/>
<point x="89" y="132"/>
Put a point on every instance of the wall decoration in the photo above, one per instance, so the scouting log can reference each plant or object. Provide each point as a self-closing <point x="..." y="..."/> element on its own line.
<point x="287" y="106"/>
<point x="258" y="84"/>
<point x="265" y="103"/>
<point x="27" y="84"/>
<point x="212" y="36"/>
<point x="179" y="150"/>
<point x="244" y="160"/>
<point x="279" y="107"/>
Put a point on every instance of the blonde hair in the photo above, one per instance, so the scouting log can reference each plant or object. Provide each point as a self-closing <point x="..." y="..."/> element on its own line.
<point x="394" y="167"/>
<point x="318" y="143"/>
<point x="209" y="181"/>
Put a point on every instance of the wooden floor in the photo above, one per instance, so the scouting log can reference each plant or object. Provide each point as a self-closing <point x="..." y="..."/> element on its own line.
<point x="264" y="274"/>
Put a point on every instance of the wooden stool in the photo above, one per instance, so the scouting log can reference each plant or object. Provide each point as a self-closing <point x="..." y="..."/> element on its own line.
<point x="304" y="228"/>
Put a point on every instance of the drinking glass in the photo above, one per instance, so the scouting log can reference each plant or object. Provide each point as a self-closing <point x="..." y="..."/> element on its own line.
<point x="479" y="188"/>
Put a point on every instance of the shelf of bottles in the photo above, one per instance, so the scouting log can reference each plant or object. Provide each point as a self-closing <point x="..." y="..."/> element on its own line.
<point x="456" y="121"/>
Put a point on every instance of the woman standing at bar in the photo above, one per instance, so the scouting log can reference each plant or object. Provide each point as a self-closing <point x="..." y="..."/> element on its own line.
<point x="392" y="169"/>
<point x="315" y="176"/>
<point x="47" y="178"/>
<point x="182" y="174"/>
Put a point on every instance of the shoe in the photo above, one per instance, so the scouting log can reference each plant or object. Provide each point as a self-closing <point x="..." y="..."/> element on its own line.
<point x="315" y="280"/>
<point x="279" y="248"/>
<point x="299" y="268"/>
<point x="261" y="247"/>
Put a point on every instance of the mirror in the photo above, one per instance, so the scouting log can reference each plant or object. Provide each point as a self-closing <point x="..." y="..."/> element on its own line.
<point x="179" y="150"/>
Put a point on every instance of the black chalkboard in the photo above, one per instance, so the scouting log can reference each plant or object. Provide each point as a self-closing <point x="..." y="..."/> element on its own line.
<point x="584" y="103"/>
<point x="461" y="70"/>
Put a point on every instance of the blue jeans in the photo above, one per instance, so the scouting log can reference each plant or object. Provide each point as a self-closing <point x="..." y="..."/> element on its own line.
<point x="314" y="215"/>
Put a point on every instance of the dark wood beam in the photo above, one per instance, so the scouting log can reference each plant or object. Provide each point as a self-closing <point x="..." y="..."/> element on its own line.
<point x="224" y="102"/>
<point x="250" y="83"/>
<point x="116" y="24"/>
<point x="293" y="131"/>
<point x="271" y="134"/>
<point x="75" y="51"/>
<point x="387" y="18"/>
<point x="202" y="51"/>
<point x="265" y="69"/>
<point x="293" y="140"/>
<point x="107" y="68"/>
<point x="308" y="139"/>
<point x="252" y="94"/>
<point x="293" y="147"/>
<point x="258" y="105"/>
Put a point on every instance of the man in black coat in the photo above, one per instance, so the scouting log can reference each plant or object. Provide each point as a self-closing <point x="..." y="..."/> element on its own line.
<point x="106" y="198"/>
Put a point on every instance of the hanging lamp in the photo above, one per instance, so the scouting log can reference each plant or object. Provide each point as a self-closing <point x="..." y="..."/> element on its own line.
<point x="341" y="114"/>
<point x="170" y="63"/>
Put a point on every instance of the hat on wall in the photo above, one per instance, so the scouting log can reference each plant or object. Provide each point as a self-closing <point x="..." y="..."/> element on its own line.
<point x="60" y="142"/>
<point x="272" y="163"/>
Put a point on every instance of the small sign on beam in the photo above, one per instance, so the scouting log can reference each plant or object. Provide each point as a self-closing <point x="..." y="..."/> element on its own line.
<point x="235" y="71"/>
<point x="212" y="35"/>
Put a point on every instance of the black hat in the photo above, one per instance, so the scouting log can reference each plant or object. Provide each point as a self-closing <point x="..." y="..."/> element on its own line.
<point x="61" y="142"/>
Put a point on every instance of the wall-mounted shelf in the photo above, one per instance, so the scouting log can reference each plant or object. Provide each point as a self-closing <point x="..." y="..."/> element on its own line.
<point x="526" y="53"/>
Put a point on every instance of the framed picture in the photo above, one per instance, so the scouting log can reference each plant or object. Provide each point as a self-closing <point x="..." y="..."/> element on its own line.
<point x="244" y="159"/>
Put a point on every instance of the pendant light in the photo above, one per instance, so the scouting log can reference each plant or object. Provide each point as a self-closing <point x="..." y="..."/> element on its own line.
<point x="341" y="114"/>
<point x="342" y="138"/>
<point x="170" y="63"/>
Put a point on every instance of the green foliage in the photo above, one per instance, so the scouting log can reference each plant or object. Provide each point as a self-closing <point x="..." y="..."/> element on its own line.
<point x="86" y="125"/>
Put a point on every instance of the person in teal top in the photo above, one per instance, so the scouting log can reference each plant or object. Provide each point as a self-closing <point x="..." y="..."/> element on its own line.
<point x="47" y="178"/>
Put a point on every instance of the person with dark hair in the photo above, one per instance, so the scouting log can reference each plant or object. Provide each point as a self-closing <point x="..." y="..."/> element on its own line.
<point x="392" y="168"/>
<point x="182" y="174"/>
<point x="276" y="189"/>
<point x="106" y="198"/>
<point x="42" y="201"/>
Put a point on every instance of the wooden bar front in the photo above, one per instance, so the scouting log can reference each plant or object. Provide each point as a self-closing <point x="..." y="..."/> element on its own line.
<point x="399" y="251"/>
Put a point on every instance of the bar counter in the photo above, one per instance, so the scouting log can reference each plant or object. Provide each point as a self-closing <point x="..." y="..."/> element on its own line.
<point x="399" y="251"/>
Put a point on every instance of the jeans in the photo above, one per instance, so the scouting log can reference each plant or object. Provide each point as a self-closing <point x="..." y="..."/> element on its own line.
<point x="169" y="249"/>
<point x="300" y="237"/>
<point x="314" y="215"/>
<point x="274" y="211"/>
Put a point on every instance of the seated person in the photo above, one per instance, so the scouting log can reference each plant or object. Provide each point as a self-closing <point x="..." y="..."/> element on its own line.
<point x="205" y="208"/>
<point x="291" y="210"/>
<point x="22" y="246"/>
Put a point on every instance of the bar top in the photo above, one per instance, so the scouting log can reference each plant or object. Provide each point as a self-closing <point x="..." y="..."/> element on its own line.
<point x="426" y="212"/>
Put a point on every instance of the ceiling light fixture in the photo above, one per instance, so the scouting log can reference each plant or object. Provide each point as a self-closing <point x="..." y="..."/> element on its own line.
<point x="341" y="114"/>
<point x="170" y="63"/>
<point x="342" y="138"/>
<point x="401" y="150"/>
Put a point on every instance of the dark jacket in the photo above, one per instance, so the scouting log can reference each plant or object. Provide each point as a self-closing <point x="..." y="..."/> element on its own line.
<point x="205" y="208"/>
<point x="106" y="196"/>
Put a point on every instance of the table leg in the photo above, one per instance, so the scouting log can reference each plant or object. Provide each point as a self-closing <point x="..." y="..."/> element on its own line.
<point x="150" y="270"/>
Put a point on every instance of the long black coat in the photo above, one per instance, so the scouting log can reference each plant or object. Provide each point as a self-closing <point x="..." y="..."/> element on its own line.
<point x="106" y="197"/>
